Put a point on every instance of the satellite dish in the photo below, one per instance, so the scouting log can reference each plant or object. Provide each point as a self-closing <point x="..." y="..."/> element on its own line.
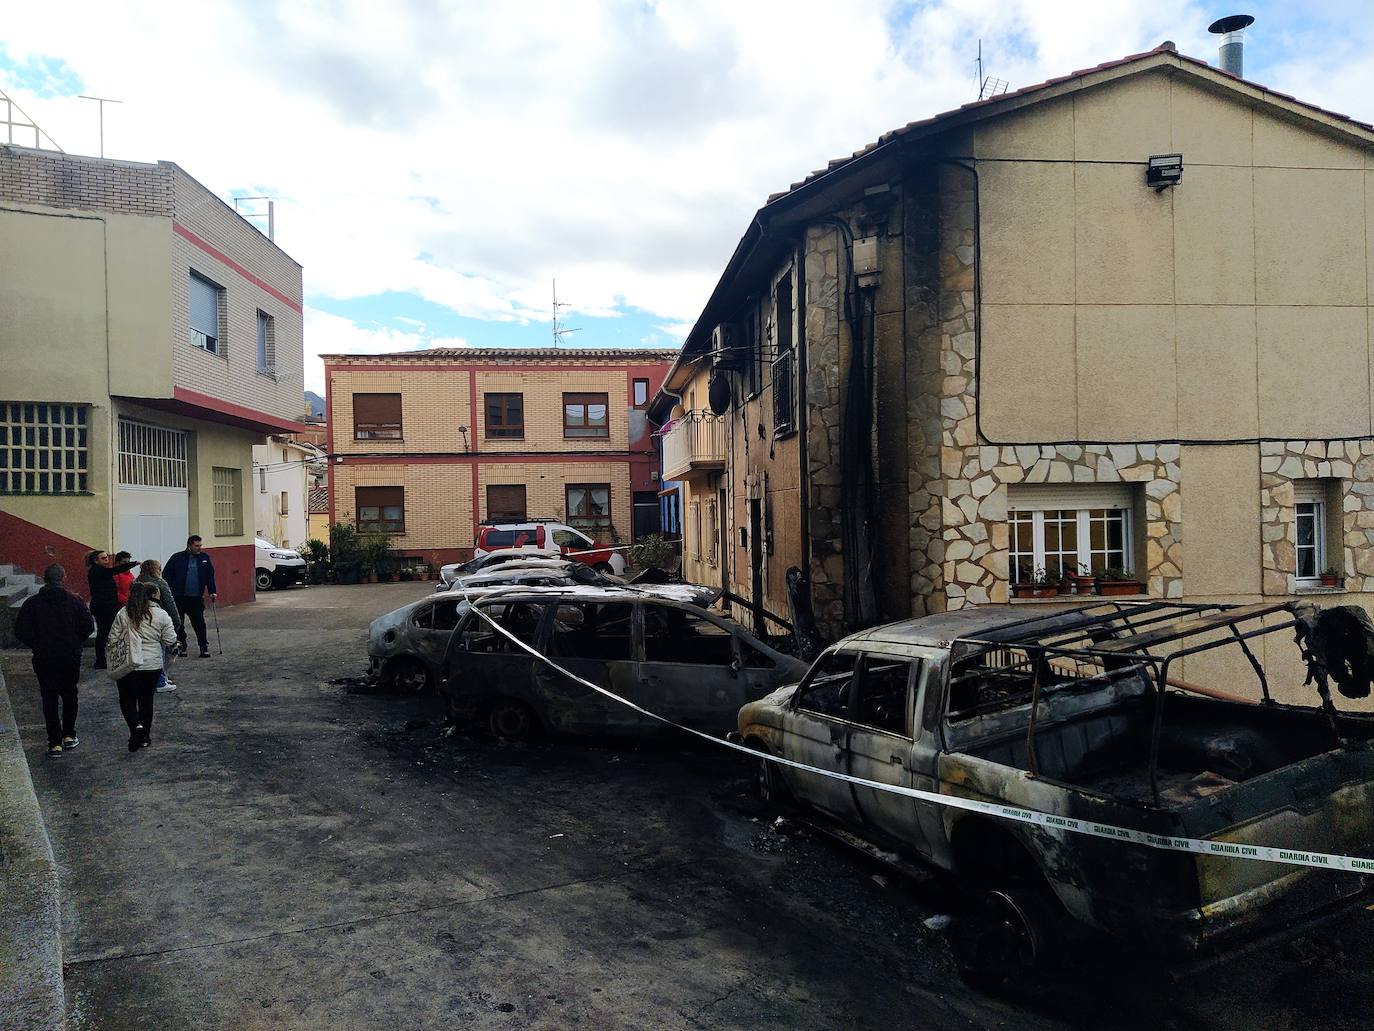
<point x="719" y="395"/>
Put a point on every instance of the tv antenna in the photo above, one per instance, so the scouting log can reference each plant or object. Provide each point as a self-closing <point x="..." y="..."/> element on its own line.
<point x="102" y="101"/>
<point x="251" y="216"/>
<point x="559" y="332"/>
<point x="17" y="118"/>
<point x="987" y="85"/>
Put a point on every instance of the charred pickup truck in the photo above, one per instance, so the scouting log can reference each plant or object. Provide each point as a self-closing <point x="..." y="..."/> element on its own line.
<point x="1085" y="713"/>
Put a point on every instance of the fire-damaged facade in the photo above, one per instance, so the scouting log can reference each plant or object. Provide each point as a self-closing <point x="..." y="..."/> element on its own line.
<point x="1023" y="346"/>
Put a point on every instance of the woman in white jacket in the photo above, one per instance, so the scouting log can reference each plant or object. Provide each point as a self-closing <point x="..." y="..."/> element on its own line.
<point x="150" y="630"/>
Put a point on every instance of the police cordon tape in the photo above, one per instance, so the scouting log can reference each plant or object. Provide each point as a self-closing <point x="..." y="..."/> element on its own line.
<point x="1050" y="821"/>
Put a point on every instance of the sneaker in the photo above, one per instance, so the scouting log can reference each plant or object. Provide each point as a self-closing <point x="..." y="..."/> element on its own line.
<point x="205" y="653"/>
<point x="169" y="686"/>
<point x="136" y="738"/>
<point x="70" y="742"/>
<point x="181" y="651"/>
<point x="54" y="751"/>
<point x="147" y="740"/>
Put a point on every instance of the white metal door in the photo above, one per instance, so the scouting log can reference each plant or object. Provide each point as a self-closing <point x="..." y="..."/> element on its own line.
<point x="151" y="521"/>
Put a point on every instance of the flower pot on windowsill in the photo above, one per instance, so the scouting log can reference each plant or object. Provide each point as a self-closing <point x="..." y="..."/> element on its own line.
<point x="1117" y="588"/>
<point x="1029" y="590"/>
<point x="1083" y="584"/>
<point x="1330" y="580"/>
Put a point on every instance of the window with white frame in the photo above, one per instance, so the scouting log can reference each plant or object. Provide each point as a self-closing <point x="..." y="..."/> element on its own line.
<point x="1063" y="530"/>
<point x="44" y="448"/>
<point x="1310" y="515"/>
<point x="206" y="300"/>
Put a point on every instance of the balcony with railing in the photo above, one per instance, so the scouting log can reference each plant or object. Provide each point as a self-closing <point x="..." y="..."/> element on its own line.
<point x="694" y="443"/>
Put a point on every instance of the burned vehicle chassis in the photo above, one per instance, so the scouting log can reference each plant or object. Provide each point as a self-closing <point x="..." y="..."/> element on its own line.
<point x="1078" y="714"/>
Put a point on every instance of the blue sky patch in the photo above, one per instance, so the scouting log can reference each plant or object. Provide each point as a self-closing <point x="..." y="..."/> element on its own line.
<point x="43" y="76"/>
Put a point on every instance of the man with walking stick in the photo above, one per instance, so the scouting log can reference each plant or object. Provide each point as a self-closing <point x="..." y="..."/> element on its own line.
<point x="191" y="575"/>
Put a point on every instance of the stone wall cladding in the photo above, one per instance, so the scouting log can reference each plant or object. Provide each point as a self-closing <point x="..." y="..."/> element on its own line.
<point x="1349" y="464"/>
<point x="959" y="534"/>
<point x="54" y="180"/>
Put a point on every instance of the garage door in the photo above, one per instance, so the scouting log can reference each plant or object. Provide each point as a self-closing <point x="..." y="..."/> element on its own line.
<point x="152" y="502"/>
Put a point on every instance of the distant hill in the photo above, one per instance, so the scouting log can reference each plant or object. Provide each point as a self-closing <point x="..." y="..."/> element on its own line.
<point x="315" y="402"/>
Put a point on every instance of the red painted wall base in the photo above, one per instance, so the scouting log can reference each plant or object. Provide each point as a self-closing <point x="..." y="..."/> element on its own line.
<point x="234" y="568"/>
<point x="33" y="548"/>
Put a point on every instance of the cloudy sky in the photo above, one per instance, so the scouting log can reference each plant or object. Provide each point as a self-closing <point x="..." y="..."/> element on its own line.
<point x="436" y="166"/>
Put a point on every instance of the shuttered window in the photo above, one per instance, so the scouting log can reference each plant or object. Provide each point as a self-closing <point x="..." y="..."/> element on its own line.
<point x="506" y="503"/>
<point x="381" y="509"/>
<point x="205" y="300"/>
<point x="377" y="417"/>
<point x="1069" y="528"/>
<point x="267" y="344"/>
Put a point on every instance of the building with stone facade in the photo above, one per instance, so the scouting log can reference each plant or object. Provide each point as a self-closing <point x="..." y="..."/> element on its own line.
<point x="985" y="346"/>
<point x="149" y="337"/>
<point x="427" y="445"/>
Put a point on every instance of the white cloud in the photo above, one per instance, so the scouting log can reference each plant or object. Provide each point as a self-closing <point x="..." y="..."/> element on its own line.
<point x="333" y="334"/>
<point x="469" y="154"/>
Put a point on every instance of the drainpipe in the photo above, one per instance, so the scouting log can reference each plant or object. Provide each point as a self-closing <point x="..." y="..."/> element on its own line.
<point x="804" y="479"/>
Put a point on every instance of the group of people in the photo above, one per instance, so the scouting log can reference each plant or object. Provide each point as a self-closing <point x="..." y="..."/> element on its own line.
<point x="139" y="618"/>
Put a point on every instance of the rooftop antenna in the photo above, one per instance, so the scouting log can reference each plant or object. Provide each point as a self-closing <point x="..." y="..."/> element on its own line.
<point x="17" y="118"/>
<point x="102" y="101"/>
<point x="251" y="215"/>
<point x="558" y="331"/>
<point x="988" y="86"/>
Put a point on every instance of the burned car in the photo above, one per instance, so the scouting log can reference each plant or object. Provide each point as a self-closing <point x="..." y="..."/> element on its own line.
<point x="650" y="645"/>
<point x="406" y="647"/>
<point x="1081" y="713"/>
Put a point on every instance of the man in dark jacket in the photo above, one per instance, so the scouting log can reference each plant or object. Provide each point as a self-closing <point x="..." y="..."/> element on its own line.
<point x="55" y="624"/>
<point x="191" y="575"/>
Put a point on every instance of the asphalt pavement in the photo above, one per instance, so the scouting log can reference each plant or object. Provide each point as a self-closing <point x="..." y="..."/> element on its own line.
<point x="298" y="851"/>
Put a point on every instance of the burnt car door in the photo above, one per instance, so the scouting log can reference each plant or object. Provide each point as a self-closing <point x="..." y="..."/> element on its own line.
<point x="483" y="663"/>
<point x="596" y="641"/>
<point x="432" y="626"/>
<point x="691" y="671"/>
<point x="880" y="744"/>
<point x="816" y="726"/>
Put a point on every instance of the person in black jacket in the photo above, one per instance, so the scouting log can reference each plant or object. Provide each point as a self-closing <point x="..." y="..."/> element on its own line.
<point x="100" y="576"/>
<point x="191" y="575"/>
<point x="55" y="624"/>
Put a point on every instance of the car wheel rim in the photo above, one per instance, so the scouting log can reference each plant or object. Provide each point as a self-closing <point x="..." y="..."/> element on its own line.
<point x="510" y="720"/>
<point x="264" y="582"/>
<point x="1000" y="937"/>
<point x="765" y="780"/>
<point x="412" y="680"/>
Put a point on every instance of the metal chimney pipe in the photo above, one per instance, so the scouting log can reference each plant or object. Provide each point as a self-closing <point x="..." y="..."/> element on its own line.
<point x="1231" y="29"/>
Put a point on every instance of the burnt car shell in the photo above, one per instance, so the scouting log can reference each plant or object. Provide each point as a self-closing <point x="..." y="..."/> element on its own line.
<point x="649" y="645"/>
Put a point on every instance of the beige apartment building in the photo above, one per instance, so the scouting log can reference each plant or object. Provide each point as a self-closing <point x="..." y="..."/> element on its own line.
<point x="427" y="445"/>
<point x="996" y="342"/>
<point x="149" y="337"/>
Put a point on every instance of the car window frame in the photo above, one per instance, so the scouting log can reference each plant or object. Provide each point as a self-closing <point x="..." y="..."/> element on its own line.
<point x="736" y="662"/>
<point x="915" y="668"/>
<point x="809" y="679"/>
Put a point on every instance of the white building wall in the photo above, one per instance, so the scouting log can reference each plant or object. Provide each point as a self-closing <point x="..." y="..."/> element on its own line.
<point x="281" y="469"/>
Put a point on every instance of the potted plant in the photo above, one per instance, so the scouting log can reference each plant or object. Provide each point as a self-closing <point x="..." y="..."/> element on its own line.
<point x="1083" y="581"/>
<point x="1114" y="582"/>
<point x="376" y="552"/>
<point x="1331" y="577"/>
<point x="1034" y="583"/>
<point x="316" y="554"/>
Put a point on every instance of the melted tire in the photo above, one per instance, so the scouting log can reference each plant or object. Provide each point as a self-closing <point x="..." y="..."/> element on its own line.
<point x="1002" y="945"/>
<point x="511" y="720"/>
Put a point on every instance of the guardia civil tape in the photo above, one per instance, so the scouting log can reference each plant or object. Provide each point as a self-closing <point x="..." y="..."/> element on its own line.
<point x="1050" y="821"/>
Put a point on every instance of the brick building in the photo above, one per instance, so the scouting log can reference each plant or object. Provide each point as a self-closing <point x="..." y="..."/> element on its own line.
<point x="427" y="445"/>
<point x="149" y="337"/>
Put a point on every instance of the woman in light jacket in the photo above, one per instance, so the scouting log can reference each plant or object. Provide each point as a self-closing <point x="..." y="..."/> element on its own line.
<point x="150" y="572"/>
<point x="153" y="627"/>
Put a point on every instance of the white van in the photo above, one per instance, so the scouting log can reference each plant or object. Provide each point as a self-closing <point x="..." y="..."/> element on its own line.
<point x="277" y="567"/>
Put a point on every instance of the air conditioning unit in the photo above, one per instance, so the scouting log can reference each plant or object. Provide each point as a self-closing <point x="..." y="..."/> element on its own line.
<point x="728" y="350"/>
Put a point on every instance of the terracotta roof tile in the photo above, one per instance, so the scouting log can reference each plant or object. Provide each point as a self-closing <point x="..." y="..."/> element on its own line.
<point x="473" y="354"/>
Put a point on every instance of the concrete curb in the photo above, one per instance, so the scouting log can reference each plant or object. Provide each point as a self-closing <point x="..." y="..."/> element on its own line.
<point x="31" y="989"/>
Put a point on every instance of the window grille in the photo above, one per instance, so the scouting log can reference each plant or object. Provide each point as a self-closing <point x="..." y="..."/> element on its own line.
<point x="784" y="403"/>
<point x="228" y="502"/>
<point x="151" y="456"/>
<point x="267" y="344"/>
<point x="44" y="448"/>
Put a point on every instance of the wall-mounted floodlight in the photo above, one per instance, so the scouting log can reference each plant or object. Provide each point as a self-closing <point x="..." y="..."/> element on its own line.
<point x="1164" y="170"/>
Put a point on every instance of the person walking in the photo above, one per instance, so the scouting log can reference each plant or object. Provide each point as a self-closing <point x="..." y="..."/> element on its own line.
<point x="122" y="582"/>
<point x="55" y="624"/>
<point x="191" y="575"/>
<point x="150" y="572"/>
<point x="100" y="577"/>
<point x="148" y="629"/>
